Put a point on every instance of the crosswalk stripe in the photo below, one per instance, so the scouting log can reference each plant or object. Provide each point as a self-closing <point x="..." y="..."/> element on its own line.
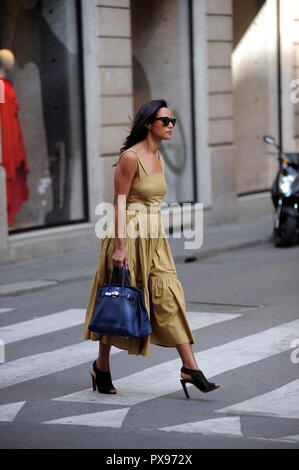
<point x="163" y="378"/>
<point x="282" y="439"/>
<point x="2" y="352"/>
<point x="39" y="365"/>
<point x="42" y="325"/>
<point x="4" y="310"/>
<point x="283" y="402"/>
<point x="229" y="426"/>
<point x="25" y="286"/>
<point x="9" y="411"/>
<point x="199" y="320"/>
<point x="294" y="437"/>
<point x="106" y="419"/>
<point x="72" y="317"/>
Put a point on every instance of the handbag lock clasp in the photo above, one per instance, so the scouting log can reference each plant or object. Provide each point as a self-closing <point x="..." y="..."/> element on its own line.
<point x="114" y="293"/>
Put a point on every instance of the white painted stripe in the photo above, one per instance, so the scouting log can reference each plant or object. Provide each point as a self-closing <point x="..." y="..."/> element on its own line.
<point x="272" y="439"/>
<point x="294" y="438"/>
<point x="69" y="318"/>
<point x="282" y="402"/>
<point x="103" y="419"/>
<point x="2" y="352"/>
<point x="227" y="429"/>
<point x="9" y="411"/>
<point x="72" y="317"/>
<point x="42" y="325"/>
<point x="39" y="365"/>
<point x="211" y="427"/>
<point x="23" y="286"/>
<point x="199" y="320"/>
<point x="164" y="378"/>
<point x="4" y="310"/>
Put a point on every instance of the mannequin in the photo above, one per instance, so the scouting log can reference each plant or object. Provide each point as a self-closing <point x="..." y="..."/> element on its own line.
<point x="7" y="61"/>
<point x="13" y="150"/>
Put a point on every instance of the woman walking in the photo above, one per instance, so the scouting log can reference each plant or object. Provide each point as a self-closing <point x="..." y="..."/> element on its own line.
<point x="139" y="175"/>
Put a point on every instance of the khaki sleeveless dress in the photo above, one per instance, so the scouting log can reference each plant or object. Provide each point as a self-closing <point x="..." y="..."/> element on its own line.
<point x="151" y="267"/>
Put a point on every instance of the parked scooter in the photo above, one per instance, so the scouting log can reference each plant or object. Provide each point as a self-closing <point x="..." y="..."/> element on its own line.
<point x="285" y="196"/>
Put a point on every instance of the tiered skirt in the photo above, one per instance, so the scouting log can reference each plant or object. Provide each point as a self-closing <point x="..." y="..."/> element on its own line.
<point x="152" y="269"/>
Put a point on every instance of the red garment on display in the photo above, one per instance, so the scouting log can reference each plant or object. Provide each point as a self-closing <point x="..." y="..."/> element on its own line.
<point x="13" y="152"/>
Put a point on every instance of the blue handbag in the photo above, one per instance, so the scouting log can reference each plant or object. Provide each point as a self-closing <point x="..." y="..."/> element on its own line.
<point x="119" y="310"/>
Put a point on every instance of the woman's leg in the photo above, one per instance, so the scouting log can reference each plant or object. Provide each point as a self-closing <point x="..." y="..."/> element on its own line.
<point x="102" y="361"/>
<point x="188" y="359"/>
<point x="186" y="352"/>
<point x="104" y="355"/>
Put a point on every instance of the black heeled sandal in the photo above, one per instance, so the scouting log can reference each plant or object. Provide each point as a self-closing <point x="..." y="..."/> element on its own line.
<point x="102" y="381"/>
<point x="198" y="379"/>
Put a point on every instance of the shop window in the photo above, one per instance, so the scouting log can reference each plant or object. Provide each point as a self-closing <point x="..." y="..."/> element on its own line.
<point x="256" y="88"/>
<point x="44" y="162"/>
<point x="162" y="68"/>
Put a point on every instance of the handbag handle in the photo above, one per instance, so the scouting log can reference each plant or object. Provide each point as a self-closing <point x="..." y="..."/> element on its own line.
<point x="124" y="274"/>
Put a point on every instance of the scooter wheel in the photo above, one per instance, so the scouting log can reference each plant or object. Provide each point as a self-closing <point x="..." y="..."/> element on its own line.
<point x="285" y="234"/>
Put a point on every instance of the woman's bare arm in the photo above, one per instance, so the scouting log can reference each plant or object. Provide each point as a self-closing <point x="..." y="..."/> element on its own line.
<point x="123" y="177"/>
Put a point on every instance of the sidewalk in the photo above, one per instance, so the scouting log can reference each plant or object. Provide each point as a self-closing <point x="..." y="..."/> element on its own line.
<point x="50" y="270"/>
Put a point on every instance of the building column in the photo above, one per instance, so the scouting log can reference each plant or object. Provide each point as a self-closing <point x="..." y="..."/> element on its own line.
<point x="289" y="20"/>
<point x="296" y="73"/>
<point x="289" y="40"/>
<point x="220" y="110"/>
<point x="116" y="85"/>
<point x="4" y="257"/>
<point x="108" y="81"/>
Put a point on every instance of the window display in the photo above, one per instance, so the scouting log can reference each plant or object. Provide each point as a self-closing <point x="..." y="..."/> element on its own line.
<point x="42" y="36"/>
<point x="14" y="158"/>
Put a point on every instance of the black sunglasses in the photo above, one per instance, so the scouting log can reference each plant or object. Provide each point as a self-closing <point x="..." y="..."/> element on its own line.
<point x="166" y="120"/>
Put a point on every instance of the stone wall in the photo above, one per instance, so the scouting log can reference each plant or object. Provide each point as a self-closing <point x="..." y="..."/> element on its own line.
<point x="220" y="110"/>
<point x="107" y="54"/>
<point x="296" y="71"/>
<point x="3" y="215"/>
<point x="116" y="87"/>
<point x="108" y="89"/>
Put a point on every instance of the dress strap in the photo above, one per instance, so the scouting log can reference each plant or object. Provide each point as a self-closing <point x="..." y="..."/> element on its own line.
<point x="140" y="165"/>
<point x="162" y="160"/>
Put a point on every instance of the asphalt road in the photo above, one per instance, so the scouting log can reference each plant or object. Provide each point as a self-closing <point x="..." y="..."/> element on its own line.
<point x="243" y="307"/>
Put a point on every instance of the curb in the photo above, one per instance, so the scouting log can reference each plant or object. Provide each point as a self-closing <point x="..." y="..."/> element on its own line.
<point x="196" y="255"/>
<point x="199" y="255"/>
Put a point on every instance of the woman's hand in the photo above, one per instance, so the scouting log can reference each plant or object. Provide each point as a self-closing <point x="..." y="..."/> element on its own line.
<point x="120" y="257"/>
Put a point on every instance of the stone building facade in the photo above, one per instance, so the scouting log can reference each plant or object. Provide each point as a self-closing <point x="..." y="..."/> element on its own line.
<point x="216" y="62"/>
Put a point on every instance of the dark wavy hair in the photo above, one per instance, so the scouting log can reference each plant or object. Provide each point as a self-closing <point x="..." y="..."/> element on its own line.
<point x="145" y="115"/>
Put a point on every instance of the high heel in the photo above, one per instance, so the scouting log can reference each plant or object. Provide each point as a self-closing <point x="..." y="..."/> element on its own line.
<point x="102" y="381"/>
<point x="197" y="379"/>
